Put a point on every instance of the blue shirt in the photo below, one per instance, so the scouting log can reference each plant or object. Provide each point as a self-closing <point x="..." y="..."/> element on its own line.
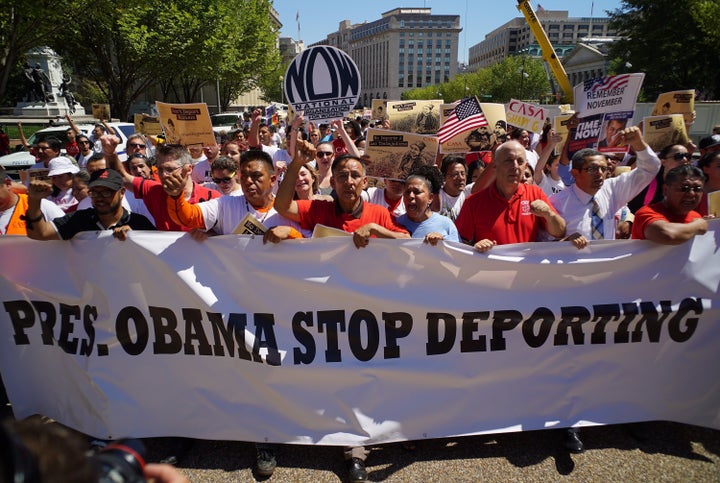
<point x="436" y="223"/>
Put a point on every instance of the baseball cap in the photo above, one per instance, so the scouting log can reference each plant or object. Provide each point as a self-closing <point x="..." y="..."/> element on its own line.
<point x="710" y="141"/>
<point x="62" y="165"/>
<point x="109" y="178"/>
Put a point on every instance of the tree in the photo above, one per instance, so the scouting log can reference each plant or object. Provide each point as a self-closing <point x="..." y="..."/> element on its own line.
<point x="681" y="54"/>
<point x="180" y="45"/>
<point x="23" y="26"/>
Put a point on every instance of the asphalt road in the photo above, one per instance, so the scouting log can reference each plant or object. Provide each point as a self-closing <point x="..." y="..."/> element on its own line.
<point x="661" y="452"/>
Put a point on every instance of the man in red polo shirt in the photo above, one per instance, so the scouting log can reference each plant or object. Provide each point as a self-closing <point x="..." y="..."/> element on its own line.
<point x="508" y="211"/>
<point x="171" y="158"/>
<point x="347" y="211"/>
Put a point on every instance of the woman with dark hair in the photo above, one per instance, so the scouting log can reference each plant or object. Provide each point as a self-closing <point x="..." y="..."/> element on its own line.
<point x="421" y="187"/>
<point x="455" y="188"/>
<point x="709" y="163"/>
<point x="671" y="156"/>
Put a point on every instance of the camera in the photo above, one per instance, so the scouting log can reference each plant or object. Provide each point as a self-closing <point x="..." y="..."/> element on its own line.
<point x="122" y="461"/>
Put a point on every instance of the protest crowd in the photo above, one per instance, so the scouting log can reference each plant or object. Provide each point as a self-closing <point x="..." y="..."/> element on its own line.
<point x="284" y="180"/>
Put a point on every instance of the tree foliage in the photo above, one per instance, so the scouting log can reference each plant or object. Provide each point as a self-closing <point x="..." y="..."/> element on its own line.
<point x="25" y="25"/>
<point x="499" y="83"/>
<point x="674" y="55"/>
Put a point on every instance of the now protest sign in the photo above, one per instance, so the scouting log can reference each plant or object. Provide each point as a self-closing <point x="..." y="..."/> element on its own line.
<point x="607" y="94"/>
<point x="322" y="82"/>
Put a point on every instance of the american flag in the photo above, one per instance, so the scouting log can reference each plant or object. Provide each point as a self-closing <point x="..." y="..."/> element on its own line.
<point x="607" y="82"/>
<point x="467" y="115"/>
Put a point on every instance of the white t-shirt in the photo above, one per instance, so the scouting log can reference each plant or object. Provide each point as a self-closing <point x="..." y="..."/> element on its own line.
<point x="550" y="186"/>
<point x="450" y="206"/>
<point x="376" y="196"/>
<point x="201" y="172"/>
<point x="49" y="210"/>
<point x="223" y="214"/>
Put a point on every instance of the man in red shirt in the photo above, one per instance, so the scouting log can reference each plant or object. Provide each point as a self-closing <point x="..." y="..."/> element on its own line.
<point x="347" y="211"/>
<point x="508" y="211"/>
<point x="171" y="158"/>
<point x="674" y="220"/>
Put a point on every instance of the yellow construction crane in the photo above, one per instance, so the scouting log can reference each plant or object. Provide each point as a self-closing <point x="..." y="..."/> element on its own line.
<point x="548" y="52"/>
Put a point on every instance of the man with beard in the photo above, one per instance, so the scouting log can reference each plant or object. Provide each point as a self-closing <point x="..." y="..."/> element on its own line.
<point x="106" y="191"/>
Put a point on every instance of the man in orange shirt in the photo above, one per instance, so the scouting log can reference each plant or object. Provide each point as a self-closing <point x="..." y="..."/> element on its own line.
<point x="13" y="207"/>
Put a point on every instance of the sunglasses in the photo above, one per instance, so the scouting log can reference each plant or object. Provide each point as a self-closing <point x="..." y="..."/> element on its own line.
<point x="322" y="154"/>
<point x="686" y="189"/>
<point x="136" y="145"/>
<point x="681" y="156"/>
<point x="222" y="180"/>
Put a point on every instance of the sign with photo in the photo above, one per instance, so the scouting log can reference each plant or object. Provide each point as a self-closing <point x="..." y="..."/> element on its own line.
<point x="613" y="93"/>
<point x="419" y="117"/>
<point x="476" y="138"/>
<point x="322" y="82"/>
<point x="395" y="154"/>
<point x="609" y="138"/>
<point x="148" y="125"/>
<point x="379" y="109"/>
<point x="101" y="111"/>
<point x="676" y="102"/>
<point x="661" y="131"/>
<point x="186" y="124"/>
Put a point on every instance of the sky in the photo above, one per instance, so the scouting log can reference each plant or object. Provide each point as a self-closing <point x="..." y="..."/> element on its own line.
<point x="477" y="17"/>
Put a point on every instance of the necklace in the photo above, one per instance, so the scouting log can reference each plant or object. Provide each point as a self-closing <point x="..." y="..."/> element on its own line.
<point x="256" y="212"/>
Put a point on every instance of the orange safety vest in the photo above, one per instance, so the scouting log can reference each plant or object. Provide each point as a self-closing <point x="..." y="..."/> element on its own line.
<point x="16" y="225"/>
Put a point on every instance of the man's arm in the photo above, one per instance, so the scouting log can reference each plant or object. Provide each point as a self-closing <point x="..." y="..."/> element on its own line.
<point x="109" y="143"/>
<point x="23" y="140"/>
<point x="72" y="124"/>
<point x="38" y="228"/>
<point x="284" y="202"/>
<point x="254" y="134"/>
<point x="180" y="211"/>
<point x="554" y="223"/>
<point x="361" y="236"/>
<point x="107" y="127"/>
<point x="667" y="233"/>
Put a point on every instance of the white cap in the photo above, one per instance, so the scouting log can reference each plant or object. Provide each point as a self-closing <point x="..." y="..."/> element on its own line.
<point x="62" y="165"/>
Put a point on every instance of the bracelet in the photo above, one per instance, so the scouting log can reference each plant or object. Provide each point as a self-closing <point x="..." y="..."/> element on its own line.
<point x="31" y="220"/>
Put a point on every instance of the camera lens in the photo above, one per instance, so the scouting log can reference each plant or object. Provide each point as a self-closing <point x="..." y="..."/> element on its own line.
<point x="122" y="461"/>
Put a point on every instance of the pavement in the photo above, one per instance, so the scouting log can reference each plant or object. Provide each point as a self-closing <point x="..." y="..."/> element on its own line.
<point x="654" y="452"/>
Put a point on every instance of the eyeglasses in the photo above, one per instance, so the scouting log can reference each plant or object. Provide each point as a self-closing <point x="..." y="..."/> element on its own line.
<point x="596" y="169"/>
<point x="687" y="189"/>
<point x="322" y="154"/>
<point x="680" y="156"/>
<point x="136" y="145"/>
<point x="101" y="194"/>
<point x="222" y="180"/>
<point x="169" y="170"/>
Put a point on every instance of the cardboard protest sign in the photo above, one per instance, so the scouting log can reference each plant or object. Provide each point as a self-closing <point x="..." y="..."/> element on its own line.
<point x="560" y="126"/>
<point x="478" y="138"/>
<point x="713" y="199"/>
<point x="585" y="134"/>
<point x="525" y="115"/>
<point x="186" y="124"/>
<point x="395" y="154"/>
<point x="661" y="131"/>
<point x="101" y="111"/>
<point x="607" y="94"/>
<point x="420" y="117"/>
<point x="609" y="139"/>
<point x="148" y="125"/>
<point x="379" y="109"/>
<point x="676" y="102"/>
<point x="323" y="82"/>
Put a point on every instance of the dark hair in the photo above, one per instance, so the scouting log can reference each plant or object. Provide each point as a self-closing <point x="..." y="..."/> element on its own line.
<point x="450" y="161"/>
<point x="257" y="155"/>
<point x="343" y="159"/>
<point x="96" y="156"/>
<point x="578" y="159"/>
<point x="354" y="127"/>
<point x="517" y="132"/>
<point x="684" y="171"/>
<point x="224" y="162"/>
<point x="478" y="163"/>
<point x="430" y="175"/>
<point x="707" y="158"/>
<point x="666" y="150"/>
<point x="54" y="143"/>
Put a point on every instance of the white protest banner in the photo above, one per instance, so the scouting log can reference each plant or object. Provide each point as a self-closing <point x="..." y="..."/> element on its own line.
<point x="323" y="82"/>
<point x="607" y="94"/>
<point x="316" y="342"/>
<point x="525" y="115"/>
